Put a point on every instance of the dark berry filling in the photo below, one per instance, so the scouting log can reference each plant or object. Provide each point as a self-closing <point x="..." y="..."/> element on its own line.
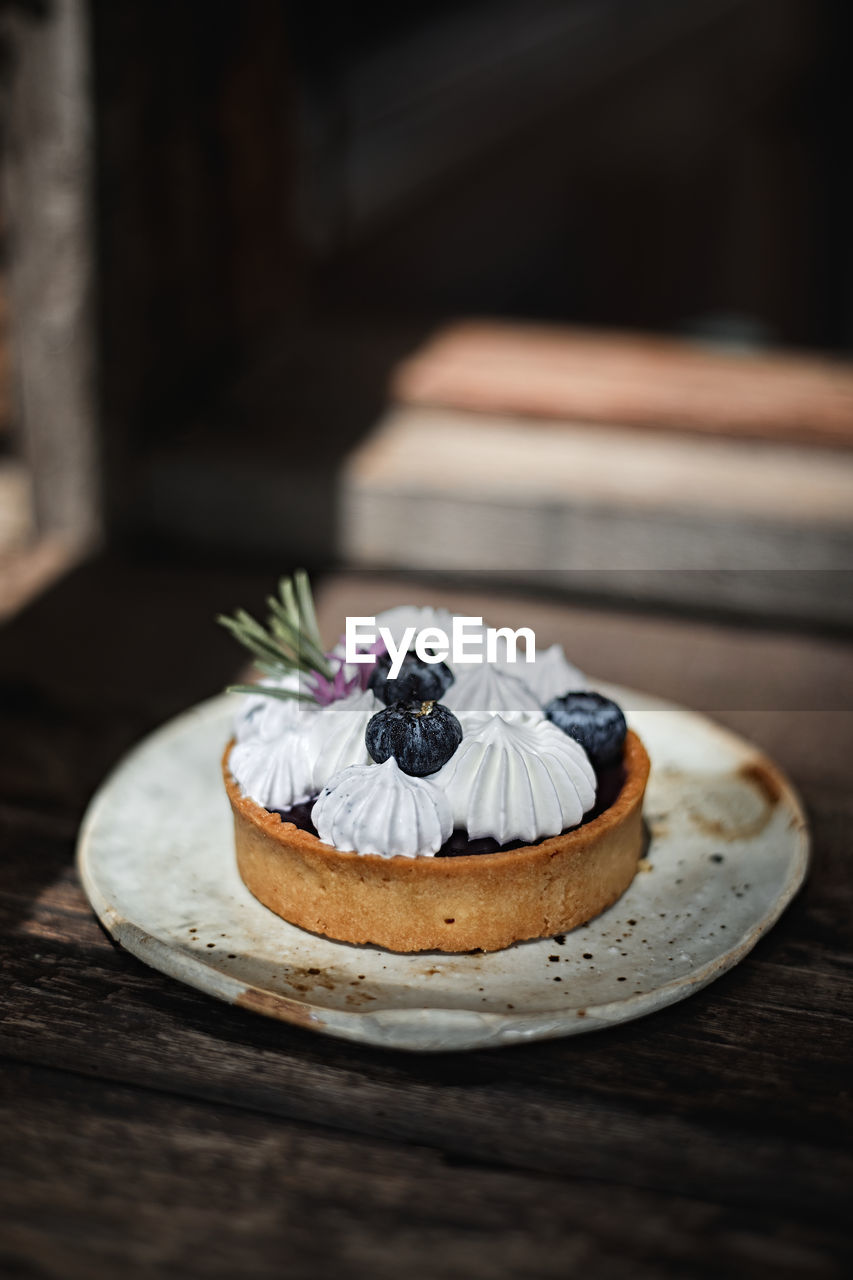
<point x="610" y="779"/>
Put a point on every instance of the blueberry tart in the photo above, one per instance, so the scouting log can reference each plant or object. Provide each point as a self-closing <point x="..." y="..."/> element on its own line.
<point x="434" y="810"/>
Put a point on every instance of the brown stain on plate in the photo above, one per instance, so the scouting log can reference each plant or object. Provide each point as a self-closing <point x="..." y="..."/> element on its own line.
<point x="273" y="1006"/>
<point x="303" y="980"/>
<point x="356" y="998"/>
<point x="762" y="775"/>
<point x="723" y="831"/>
<point x="764" y="781"/>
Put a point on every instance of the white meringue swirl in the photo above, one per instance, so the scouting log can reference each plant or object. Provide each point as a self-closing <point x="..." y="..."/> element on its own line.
<point x="379" y="809"/>
<point x="289" y="750"/>
<point x="517" y="780"/>
<point x="483" y="687"/>
<point x="335" y="737"/>
<point x="550" y="676"/>
<point x="261" y="716"/>
<point x="274" y="772"/>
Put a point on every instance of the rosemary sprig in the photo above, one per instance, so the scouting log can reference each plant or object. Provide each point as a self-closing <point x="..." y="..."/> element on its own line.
<point x="289" y="642"/>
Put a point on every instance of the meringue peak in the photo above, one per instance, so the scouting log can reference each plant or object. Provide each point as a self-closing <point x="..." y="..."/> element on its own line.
<point x="379" y="809"/>
<point x="517" y="779"/>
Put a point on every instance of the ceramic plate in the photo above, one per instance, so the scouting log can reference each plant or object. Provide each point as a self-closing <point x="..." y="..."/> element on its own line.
<point x="728" y="851"/>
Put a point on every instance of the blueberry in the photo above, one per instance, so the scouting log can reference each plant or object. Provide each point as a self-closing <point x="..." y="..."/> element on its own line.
<point x="421" y="736"/>
<point x="593" y="721"/>
<point x="418" y="681"/>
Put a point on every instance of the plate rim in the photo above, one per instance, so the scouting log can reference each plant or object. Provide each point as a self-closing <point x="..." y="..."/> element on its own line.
<point x="471" y="1028"/>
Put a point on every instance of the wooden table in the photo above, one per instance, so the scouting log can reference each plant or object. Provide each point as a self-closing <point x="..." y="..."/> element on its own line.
<point x="150" y="1131"/>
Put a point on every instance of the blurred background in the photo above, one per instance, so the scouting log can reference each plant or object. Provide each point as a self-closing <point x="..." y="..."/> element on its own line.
<point x="554" y="291"/>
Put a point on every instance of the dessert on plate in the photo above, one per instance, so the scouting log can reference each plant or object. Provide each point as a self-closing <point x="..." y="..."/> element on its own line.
<point x="406" y="802"/>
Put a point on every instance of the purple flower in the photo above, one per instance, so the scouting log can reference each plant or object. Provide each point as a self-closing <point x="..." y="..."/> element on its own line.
<point x="347" y="678"/>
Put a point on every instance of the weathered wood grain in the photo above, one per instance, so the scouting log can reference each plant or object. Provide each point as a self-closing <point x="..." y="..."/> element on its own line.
<point x="157" y="1185"/>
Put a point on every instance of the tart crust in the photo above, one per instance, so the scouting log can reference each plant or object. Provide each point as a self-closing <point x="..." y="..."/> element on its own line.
<point x="465" y="903"/>
<point x="475" y="901"/>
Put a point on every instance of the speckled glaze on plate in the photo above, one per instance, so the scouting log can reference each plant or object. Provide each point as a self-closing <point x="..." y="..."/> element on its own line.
<point x="728" y="851"/>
